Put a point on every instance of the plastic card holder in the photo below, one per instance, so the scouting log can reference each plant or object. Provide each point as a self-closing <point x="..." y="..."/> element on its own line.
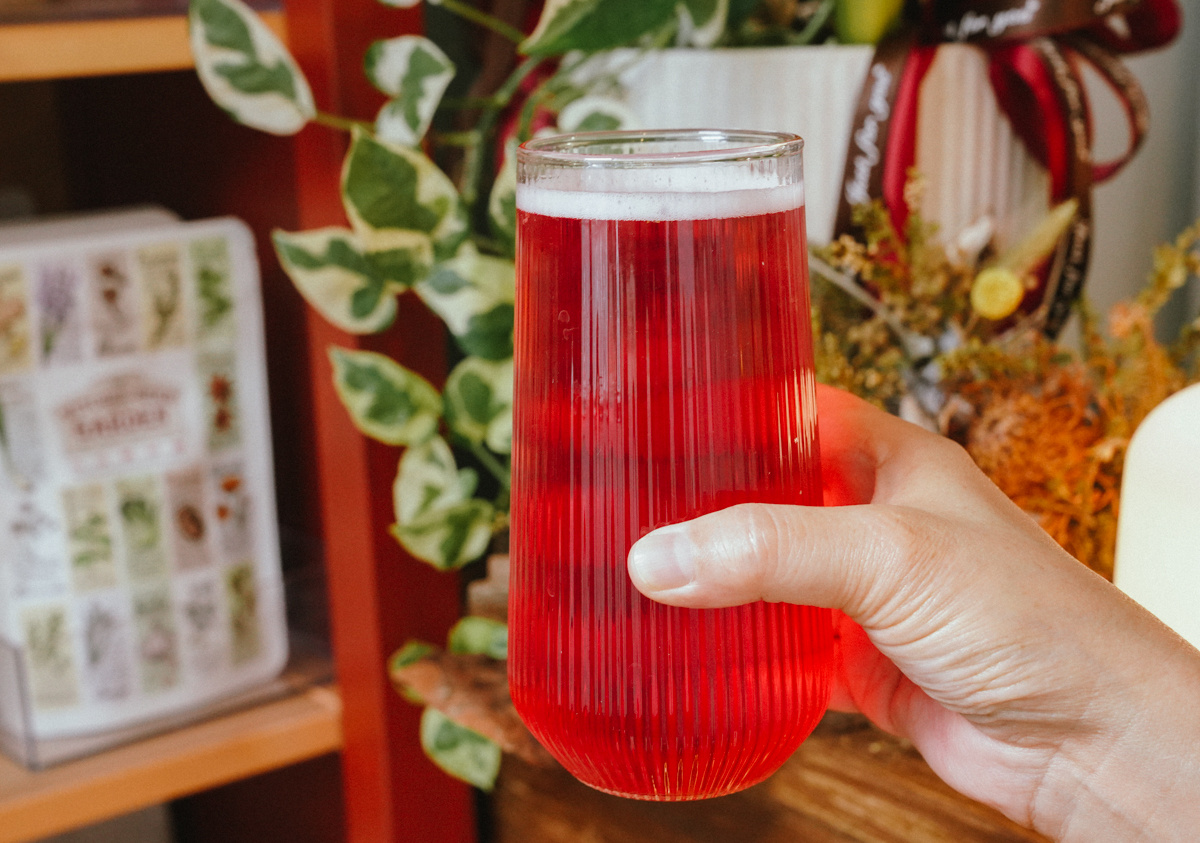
<point x="140" y="575"/>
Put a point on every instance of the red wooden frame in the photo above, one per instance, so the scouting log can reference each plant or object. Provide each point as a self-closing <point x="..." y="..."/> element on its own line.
<point x="379" y="596"/>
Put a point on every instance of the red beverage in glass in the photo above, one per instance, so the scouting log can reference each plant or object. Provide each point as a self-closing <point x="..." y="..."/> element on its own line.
<point x="663" y="370"/>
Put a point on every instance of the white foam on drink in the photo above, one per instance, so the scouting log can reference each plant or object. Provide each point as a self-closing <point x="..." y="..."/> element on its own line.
<point x="669" y="193"/>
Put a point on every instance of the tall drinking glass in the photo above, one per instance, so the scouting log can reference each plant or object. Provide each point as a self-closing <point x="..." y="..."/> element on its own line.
<point x="663" y="370"/>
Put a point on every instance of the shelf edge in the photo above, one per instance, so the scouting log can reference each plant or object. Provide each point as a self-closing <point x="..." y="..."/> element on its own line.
<point x="206" y="755"/>
<point x="102" y="47"/>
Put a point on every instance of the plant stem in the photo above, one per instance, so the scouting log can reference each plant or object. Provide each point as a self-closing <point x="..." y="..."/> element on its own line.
<point x="345" y="124"/>
<point x="816" y="23"/>
<point x="464" y="139"/>
<point x="529" y="109"/>
<point x="502" y="505"/>
<point x="453" y="103"/>
<point x="464" y="10"/>
<point x="489" y="461"/>
<point x="917" y="347"/>
<point x="476" y="154"/>
<point x="490" y="245"/>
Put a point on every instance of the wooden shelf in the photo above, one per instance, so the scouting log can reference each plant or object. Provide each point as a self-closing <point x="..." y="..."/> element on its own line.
<point x="296" y="728"/>
<point x="848" y="783"/>
<point x="59" y="49"/>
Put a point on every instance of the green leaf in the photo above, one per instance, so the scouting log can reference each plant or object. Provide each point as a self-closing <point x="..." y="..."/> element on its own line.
<point x="415" y="72"/>
<point x="401" y="266"/>
<point x="702" y="22"/>
<point x="464" y="754"/>
<point x="385" y="400"/>
<point x="339" y="281"/>
<point x="246" y="69"/>
<point x="740" y="10"/>
<point x="260" y="79"/>
<point x="412" y="652"/>
<point x="473" y="294"/>
<point x="396" y="197"/>
<point x="595" y="114"/>
<point x="490" y="334"/>
<point x="593" y="25"/>
<point x="478" y="402"/>
<point x="428" y="479"/>
<point x="482" y="636"/>
<point x="451" y="537"/>
<point x="225" y="25"/>
<point x="437" y="520"/>
<point x="502" y="202"/>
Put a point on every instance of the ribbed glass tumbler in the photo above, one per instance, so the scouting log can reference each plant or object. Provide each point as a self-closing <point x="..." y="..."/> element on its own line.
<point x="663" y="370"/>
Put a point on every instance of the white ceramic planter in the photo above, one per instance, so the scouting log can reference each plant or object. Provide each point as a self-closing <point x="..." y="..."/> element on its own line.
<point x="973" y="163"/>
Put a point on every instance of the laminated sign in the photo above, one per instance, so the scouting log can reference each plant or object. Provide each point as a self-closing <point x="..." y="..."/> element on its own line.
<point x="139" y="559"/>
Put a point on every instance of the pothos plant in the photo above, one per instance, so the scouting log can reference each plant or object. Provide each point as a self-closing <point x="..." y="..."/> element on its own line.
<point x="413" y="229"/>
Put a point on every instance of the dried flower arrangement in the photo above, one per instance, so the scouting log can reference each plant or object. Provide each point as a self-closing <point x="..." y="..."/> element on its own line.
<point x="940" y="342"/>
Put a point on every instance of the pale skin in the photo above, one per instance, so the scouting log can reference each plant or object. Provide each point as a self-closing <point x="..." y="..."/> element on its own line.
<point x="1025" y="680"/>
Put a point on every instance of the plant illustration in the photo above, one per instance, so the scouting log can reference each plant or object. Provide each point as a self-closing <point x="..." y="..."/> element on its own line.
<point x="140" y="517"/>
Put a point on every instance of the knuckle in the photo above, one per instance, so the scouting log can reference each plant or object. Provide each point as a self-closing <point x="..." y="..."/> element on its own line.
<point x="909" y="551"/>
<point x="946" y="452"/>
<point x="756" y="544"/>
<point x="897" y="532"/>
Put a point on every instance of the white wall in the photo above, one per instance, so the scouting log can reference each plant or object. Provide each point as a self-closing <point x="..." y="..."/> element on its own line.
<point x="1158" y="194"/>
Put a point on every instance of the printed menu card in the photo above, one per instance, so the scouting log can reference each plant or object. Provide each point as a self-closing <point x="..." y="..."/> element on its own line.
<point x="139" y="557"/>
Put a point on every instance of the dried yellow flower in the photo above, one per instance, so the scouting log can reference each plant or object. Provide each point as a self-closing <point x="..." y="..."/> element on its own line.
<point x="996" y="293"/>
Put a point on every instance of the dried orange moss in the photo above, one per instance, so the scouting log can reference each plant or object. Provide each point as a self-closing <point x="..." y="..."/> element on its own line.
<point x="1049" y="425"/>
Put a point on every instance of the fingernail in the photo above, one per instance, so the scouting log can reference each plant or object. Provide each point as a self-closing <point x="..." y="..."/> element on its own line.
<point x="662" y="560"/>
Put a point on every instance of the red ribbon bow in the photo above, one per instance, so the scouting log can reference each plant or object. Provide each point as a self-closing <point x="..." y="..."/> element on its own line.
<point x="1033" y="48"/>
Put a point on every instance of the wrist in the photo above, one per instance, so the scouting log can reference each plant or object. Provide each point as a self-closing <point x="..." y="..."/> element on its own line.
<point x="1134" y="774"/>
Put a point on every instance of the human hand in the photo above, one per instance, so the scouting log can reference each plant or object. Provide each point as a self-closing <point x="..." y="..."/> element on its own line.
<point x="1025" y="680"/>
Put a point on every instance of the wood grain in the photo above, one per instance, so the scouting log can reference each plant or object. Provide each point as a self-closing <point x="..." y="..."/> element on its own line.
<point x="37" y="804"/>
<point x="848" y="783"/>
<point x="75" y="48"/>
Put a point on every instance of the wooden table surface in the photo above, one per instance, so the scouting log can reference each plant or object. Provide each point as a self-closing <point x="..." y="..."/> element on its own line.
<point x="848" y="783"/>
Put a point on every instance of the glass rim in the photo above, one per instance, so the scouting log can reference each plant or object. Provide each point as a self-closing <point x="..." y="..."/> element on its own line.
<point x="570" y="149"/>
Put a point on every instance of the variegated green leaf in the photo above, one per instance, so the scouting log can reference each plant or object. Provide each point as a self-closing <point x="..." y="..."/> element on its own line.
<point x="473" y="294"/>
<point x="702" y="22"/>
<point x="482" y="636"/>
<point x="437" y="520"/>
<point x="428" y="479"/>
<point x="411" y="653"/>
<point x="451" y="537"/>
<point x="478" y="402"/>
<point x="397" y="198"/>
<point x="400" y="266"/>
<point x="591" y="25"/>
<point x="502" y="202"/>
<point x="414" y="72"/>
<point x="464" y="754"/>
<point x="385" y="400"/>
<point x="500" y="431"/>
<point x="595" y="114"/>
<point x="338" y="280"/>
<point x="246" y="69"/>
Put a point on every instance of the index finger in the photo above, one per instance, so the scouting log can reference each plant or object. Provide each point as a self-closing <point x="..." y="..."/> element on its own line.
<point x="871" y="456"/>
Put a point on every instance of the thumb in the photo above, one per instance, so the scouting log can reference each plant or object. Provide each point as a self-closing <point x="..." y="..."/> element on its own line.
<point x="847" y="558"/>
<point x="852" y="558"/>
